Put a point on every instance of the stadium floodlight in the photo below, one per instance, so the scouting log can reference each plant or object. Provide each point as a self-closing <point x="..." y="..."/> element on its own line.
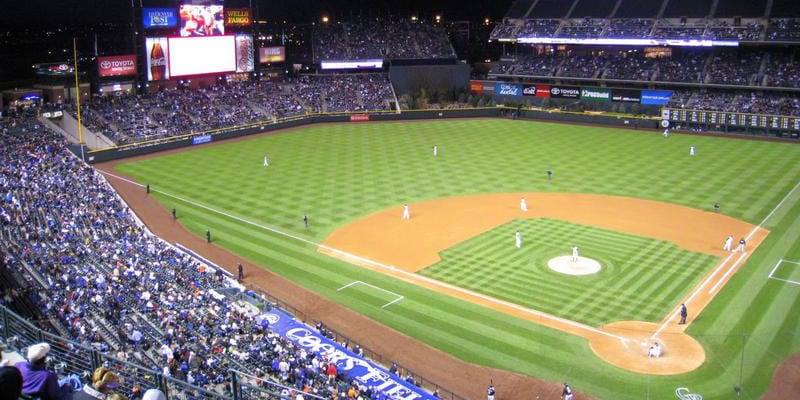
<point x="629" y="42"/>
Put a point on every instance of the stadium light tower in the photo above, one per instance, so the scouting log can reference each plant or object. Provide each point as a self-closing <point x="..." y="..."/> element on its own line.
<point x="325" y="19"/>
<point x="438" y="18"/>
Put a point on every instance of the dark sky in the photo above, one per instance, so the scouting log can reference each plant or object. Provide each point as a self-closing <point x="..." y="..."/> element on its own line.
<point x="72" y="12"/>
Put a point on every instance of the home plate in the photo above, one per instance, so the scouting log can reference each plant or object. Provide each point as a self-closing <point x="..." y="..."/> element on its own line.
<point x="565" y="265"/>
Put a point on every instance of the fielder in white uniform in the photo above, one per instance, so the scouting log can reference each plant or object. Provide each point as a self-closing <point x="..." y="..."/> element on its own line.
<point x="435" y="150"/>
<point x="575" y="253"/>
<point x="655" y="351"/>
<point x="728" y="244"/>
<point x="523" y="205"/>
<point x="692" y="150"/>
<point x="266" y="161"/>
<point x="518" y="238"/>
<point x="666" y="132"/>
<point x="406" y="213"/>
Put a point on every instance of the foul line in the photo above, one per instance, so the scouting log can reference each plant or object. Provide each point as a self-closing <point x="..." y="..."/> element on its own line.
<point x="399" y="297"/>
<point x="408" y="275"/>
<point x="777" y="264"/>
<point x="719" y="267"/>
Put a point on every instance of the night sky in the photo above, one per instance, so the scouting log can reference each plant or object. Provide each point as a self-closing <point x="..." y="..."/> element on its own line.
<point x="74" y="12"/>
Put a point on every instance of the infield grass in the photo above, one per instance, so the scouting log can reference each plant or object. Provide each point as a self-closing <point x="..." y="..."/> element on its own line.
<point x="339" y="172"/>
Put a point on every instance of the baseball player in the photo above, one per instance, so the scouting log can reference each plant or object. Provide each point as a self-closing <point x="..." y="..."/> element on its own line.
<point x="566" y="394"/>
<point x="666" y="132"/>
<point x="575" y="253"/>
<point x="523" y="205"/>
<point x="406" y="212"/>
<point x="742" y="242"/>
<point x="490" y="392"/>
<point x="728" y="244"/>
<point x="655" y="351"/>
<point x="518" y="238"/>
<point x="684" y="314"/>
<point x="692" y="150"/>
<point x="266" y="161"/>
<point x="435" y="150"/>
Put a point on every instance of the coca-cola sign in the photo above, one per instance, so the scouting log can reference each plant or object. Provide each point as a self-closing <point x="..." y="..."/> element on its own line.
<point x="116" y="65"/>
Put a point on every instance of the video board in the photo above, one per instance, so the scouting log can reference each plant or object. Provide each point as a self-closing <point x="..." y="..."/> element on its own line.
<point x="201" y="20"/>
<point x="202" y="55"/>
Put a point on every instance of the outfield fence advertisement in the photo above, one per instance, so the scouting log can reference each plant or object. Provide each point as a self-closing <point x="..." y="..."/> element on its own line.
<point x="565" y="92"/>
<point x="536" y="91"/>
<point x="363" y="371"/>
<point x="508" y="89"/>
<point x="626" y="95"/>
<point x="656" y="97"/>
<point x="595" y="94"/>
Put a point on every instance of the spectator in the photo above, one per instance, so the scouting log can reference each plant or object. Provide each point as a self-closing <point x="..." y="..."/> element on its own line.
<point x="37" y="380"/>
<point x="104" y="382"/>
<point x="10" y="382"/>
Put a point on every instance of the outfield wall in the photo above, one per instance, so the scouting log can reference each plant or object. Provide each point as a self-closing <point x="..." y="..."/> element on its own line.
<point x="209" y="137"/>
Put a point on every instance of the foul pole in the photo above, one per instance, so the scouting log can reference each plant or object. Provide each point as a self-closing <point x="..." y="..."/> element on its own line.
<point x="78" y="96"/>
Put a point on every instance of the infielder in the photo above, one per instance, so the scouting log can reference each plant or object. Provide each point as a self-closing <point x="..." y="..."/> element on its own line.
<point x="728" y="244"/>
<point x="523" y="205"/>
<point x="518" y="238"/>
<point x="435" y="150"/>
<point x="490" y="392"/>
<point x="655" y="351"/>
<point x="575" y="253"/>
<point x="692" y="150"/>
<point x="566" y="394"/>
<point x="406" y="213"/>
<point x="742" y="242"/>
<point x="266" y="161"/>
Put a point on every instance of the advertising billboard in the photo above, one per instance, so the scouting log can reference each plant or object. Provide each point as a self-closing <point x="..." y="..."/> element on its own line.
<point x="357" y="64"/>
<point x="157" y="54"/>
<point x="244" y="53"/>
<point x="116" y="65"/>
<point x="656" y="97"/>
<point x="238" y="17"/>
<point x="159" y="18"/>
<point x="565" y="92"/>
<point x="200" y="20"/>
<point x="595" y="94"/>
<point x="536" y="90"/>
<point x="476" y="87"/>
<point x="201" y="55"/>
<point x="508" y="89"/>
<point x="626" y="95"/>
<point x="275" y="54"/>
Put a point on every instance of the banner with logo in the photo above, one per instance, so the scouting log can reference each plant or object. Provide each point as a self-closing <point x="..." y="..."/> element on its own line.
<point x="268" y="55"/>
<point x="656" y="97"/>
<point x="565" y="92"/>
<point x="116" y="65"/>
<point x="359" y="118"/>
<point x="595" y="94"/>
<point x="488" y="87"/>
<point x="363" y="371"/>
<point x="238" y="17"/>
<point x="244" y="53"/>
<point x="508" y="89"/>
<point x="536" y="90"/>
<point x="157" y="54"/>
<point x="626" y="95"/>
<point x="159" y="18"/>
<point x="476" y="87"/>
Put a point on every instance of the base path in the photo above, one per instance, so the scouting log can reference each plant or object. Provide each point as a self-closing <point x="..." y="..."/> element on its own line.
<point x="386" y="243"/>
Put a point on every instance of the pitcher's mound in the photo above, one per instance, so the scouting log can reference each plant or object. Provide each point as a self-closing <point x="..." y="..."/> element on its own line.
<point x="565" y="265"/>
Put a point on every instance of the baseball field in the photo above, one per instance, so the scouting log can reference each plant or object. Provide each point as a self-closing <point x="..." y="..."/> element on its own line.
<point x="635" y="202"/>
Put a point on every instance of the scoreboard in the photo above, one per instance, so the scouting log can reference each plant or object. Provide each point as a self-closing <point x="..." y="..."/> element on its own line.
<point x="742" y="120"/>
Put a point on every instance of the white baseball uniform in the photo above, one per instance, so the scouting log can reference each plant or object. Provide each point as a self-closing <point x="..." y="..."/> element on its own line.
<point x="406" y="213"/>
<point x="266" y="161"/>
<point x="518" y="238"/>
<point x="728" y="244"/>
<point x="435" y="150"/>
<point x="692" y="150"/>
<point x="575" y="253"/>
<point x="523" y="205"/>
<point x="666" y="132"/>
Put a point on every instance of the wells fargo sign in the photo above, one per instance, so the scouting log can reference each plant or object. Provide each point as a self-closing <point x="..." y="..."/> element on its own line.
<point x="238" y="17"/>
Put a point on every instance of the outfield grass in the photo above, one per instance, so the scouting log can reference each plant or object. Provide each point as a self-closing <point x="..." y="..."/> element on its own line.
<point x="641" y="280"/>
<point x="337" y="173"/>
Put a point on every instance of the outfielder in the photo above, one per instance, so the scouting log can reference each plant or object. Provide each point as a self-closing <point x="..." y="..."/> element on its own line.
<point x="406" y="213"/>
<point x="435" y="150"/>
<point x="666" y="132"/>
<point x="523" y="205"/>
<point x="518" y="238"/>
<point x="575" y="253"/>
<point x="692" y="150"/>
<point x="728" y="244"/>
<point x="266" y="161"/>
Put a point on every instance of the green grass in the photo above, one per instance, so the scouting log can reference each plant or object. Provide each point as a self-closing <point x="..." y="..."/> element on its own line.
<point x="340" y="172"/>
<point x="641" y="280"/>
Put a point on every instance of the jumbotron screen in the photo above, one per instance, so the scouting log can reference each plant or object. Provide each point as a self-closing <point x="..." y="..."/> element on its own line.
<point x="202" y="20"/>
<point x="201" y="55"/>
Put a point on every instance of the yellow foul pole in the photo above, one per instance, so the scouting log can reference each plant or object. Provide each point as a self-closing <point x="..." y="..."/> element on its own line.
<point x="77" y="94"/>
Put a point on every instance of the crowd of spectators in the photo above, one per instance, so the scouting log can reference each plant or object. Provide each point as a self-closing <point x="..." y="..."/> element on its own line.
<point x="581" y="66"/>
<point x="629" y="65"/>
<point x="381" y="39"/>
<point x="784" y="30"/>
<point x="106" y="282"/>
<point x="683" y="67"/>
<point x="737" y="101"/>
<point x="735" y="67"/>
<point x="171" y="112"/>
<point x="780" y="29"/>
<point x="783" y="71"/>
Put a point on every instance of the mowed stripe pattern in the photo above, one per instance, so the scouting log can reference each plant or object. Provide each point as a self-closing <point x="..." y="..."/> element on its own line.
<point x="337" y="173"/>
<point x="641" y="279"/>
